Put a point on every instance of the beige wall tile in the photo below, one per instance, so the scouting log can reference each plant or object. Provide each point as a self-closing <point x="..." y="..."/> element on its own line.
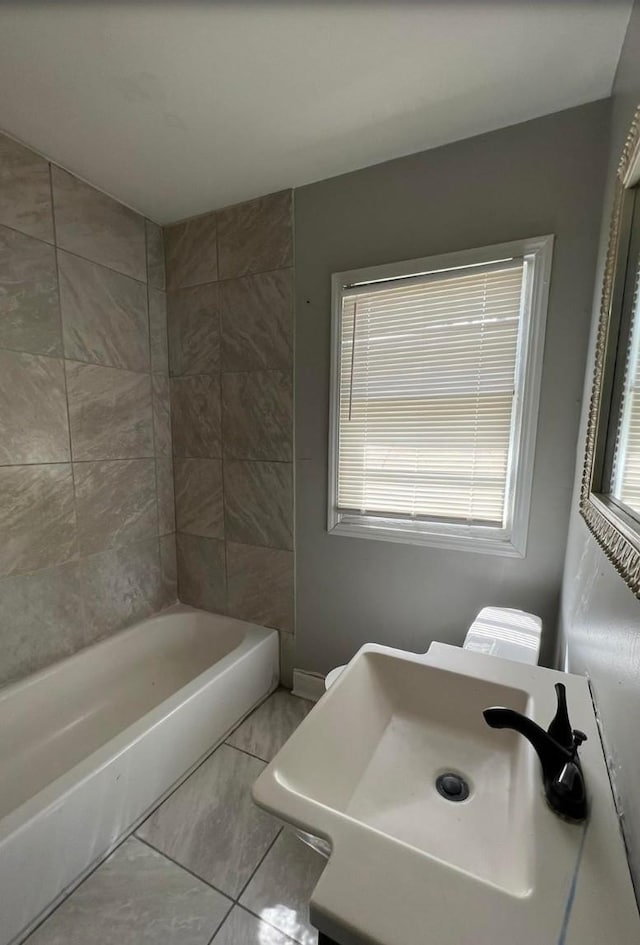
<point x="25" y="193"/>
<point x="191" y="252"/>
<point x="256" y="236"/>
<point x="260" y="585"/>
<point x="166" y="500"/>
<point x="97" y="227"/>
<point x="121" y="586"/>
<point x="37" y="517"/>
<point x="252" y="310"/>
<point x="110" y="412"/>
<point x="41" y="619"/>
<point x="158" y="331"/>
<point x="199" y="497"/>
<point x="257" y="321"/>
<point x="104" y="315"/>
<point x="194" y="330"/>
<point x="201" y="572"/>
<point x="115" y="503"/>
<point x="195" y="417"/>
<point x="161" y="414"/>
<point x="258" y="415"/>
<point x="29" y="312"/>
<point x="258" y="503"/>
<point x="155" y="255"/>
<point x="169" y="568"/>
<point x="33" y="411"/>
<point x="79" y="564"/>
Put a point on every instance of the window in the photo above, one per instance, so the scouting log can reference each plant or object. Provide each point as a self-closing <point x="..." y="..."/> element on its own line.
<point x="610" y="493"/>
<point x="435" y="384"/>
<point x="624" y="446"/>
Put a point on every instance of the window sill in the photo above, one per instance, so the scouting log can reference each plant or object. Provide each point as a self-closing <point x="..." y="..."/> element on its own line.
<point x="490" y="541"/>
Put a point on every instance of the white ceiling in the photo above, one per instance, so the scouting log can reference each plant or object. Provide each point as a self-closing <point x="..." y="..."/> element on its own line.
<point x="177" y="108"/>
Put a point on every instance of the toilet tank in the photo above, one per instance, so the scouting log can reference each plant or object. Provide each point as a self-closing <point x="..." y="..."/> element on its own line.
<point x="511" y="634"/>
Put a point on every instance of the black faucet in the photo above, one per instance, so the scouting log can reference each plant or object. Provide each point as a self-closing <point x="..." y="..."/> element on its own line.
<point x="558" y="753"/>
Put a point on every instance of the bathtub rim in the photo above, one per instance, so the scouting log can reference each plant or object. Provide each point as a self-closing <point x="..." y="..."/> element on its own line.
<point x="105" y="643"/>
<point x="56" y="791"/>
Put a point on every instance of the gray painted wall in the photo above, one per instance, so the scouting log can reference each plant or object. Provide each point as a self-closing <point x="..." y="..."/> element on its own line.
<point x="600" y="618"/>
<point x="543" y="176"/>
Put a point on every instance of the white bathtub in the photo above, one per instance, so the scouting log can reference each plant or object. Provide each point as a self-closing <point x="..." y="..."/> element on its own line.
<point x="89" y="745"/>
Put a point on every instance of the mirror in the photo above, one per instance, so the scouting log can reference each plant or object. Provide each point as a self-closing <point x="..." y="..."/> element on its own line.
<point x="610" y="497"/>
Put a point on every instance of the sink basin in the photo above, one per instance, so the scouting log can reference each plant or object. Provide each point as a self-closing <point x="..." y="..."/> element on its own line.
<point x="432" y="724"/>
<point x="408" y="865"/>
<point x="379" y="767"/>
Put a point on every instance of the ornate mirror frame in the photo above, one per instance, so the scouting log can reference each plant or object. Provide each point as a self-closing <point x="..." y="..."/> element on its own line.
<point x="617" y="533"/>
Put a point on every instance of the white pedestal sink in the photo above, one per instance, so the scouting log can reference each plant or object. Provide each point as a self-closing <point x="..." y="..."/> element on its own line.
<point x="410" y="866"/>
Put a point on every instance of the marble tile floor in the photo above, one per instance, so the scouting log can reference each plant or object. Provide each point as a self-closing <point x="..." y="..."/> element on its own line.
<point x="207" y="866"/>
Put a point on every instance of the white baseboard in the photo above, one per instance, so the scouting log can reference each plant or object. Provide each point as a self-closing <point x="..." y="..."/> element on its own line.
<point x="307" y="685"/>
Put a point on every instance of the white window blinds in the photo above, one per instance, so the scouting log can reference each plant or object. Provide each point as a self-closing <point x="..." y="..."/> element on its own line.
<point x="626" y="475"/>
<point x="427" y="376"/>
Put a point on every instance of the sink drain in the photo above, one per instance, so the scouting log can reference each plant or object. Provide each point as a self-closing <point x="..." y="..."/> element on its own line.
<point x="452" y="786"/>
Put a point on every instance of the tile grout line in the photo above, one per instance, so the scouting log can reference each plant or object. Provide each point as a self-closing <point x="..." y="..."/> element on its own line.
<point x="70" y="252"/>
<point x="30" y="236"/>
<point x="127" y="370"/>
<point x="181" y="866"/>
<point x="260" y="918"/>
<point x="244" y="750"/>
<point x="237" y="901"/>
<point x="124" y="459"/>
<point x="153" y="411"/>
<point x="219" y="281"/>
<point x="77" y="558"/>
<point x="80" y="462"/>
<point x="222" y="423"/>
<point x="171" y="455"/>
<point x="133" y="833"/>
<point x="258" y="865"/>
<point x="241" y="906"/>
<point x="234" y="899"/>
<point x="294" y="503"/>
<point x="60" y="320"/>
<point x="101" y="265"/>
<point x="74" y="887"/>
<point x="99" y="364"/>
<point x="163" y="226"/>
<point x="77" y="555"/>
<point x="206" y="757"/>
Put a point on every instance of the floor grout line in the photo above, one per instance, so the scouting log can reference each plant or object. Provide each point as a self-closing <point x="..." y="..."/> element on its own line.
<point x="74" y="888"/>
<point x="234" y="901"/>
<point x="185" y="868"/>
<point x="208" y="755"/>
<point x="245" y="752"/>
<point x="259" y="864"/>
<point x="260" y="918"/>
<point x="226" y="916"/>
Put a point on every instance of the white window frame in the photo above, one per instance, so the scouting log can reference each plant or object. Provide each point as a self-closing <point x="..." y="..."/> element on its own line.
<point x="511" y="540"/>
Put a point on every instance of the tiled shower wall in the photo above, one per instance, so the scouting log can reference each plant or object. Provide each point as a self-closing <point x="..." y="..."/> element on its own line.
<point x="230" y="302"/>
<point x="86" y="491"/>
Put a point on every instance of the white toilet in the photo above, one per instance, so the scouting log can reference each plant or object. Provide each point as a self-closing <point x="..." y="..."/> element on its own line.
<point x="496" y="631"/>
